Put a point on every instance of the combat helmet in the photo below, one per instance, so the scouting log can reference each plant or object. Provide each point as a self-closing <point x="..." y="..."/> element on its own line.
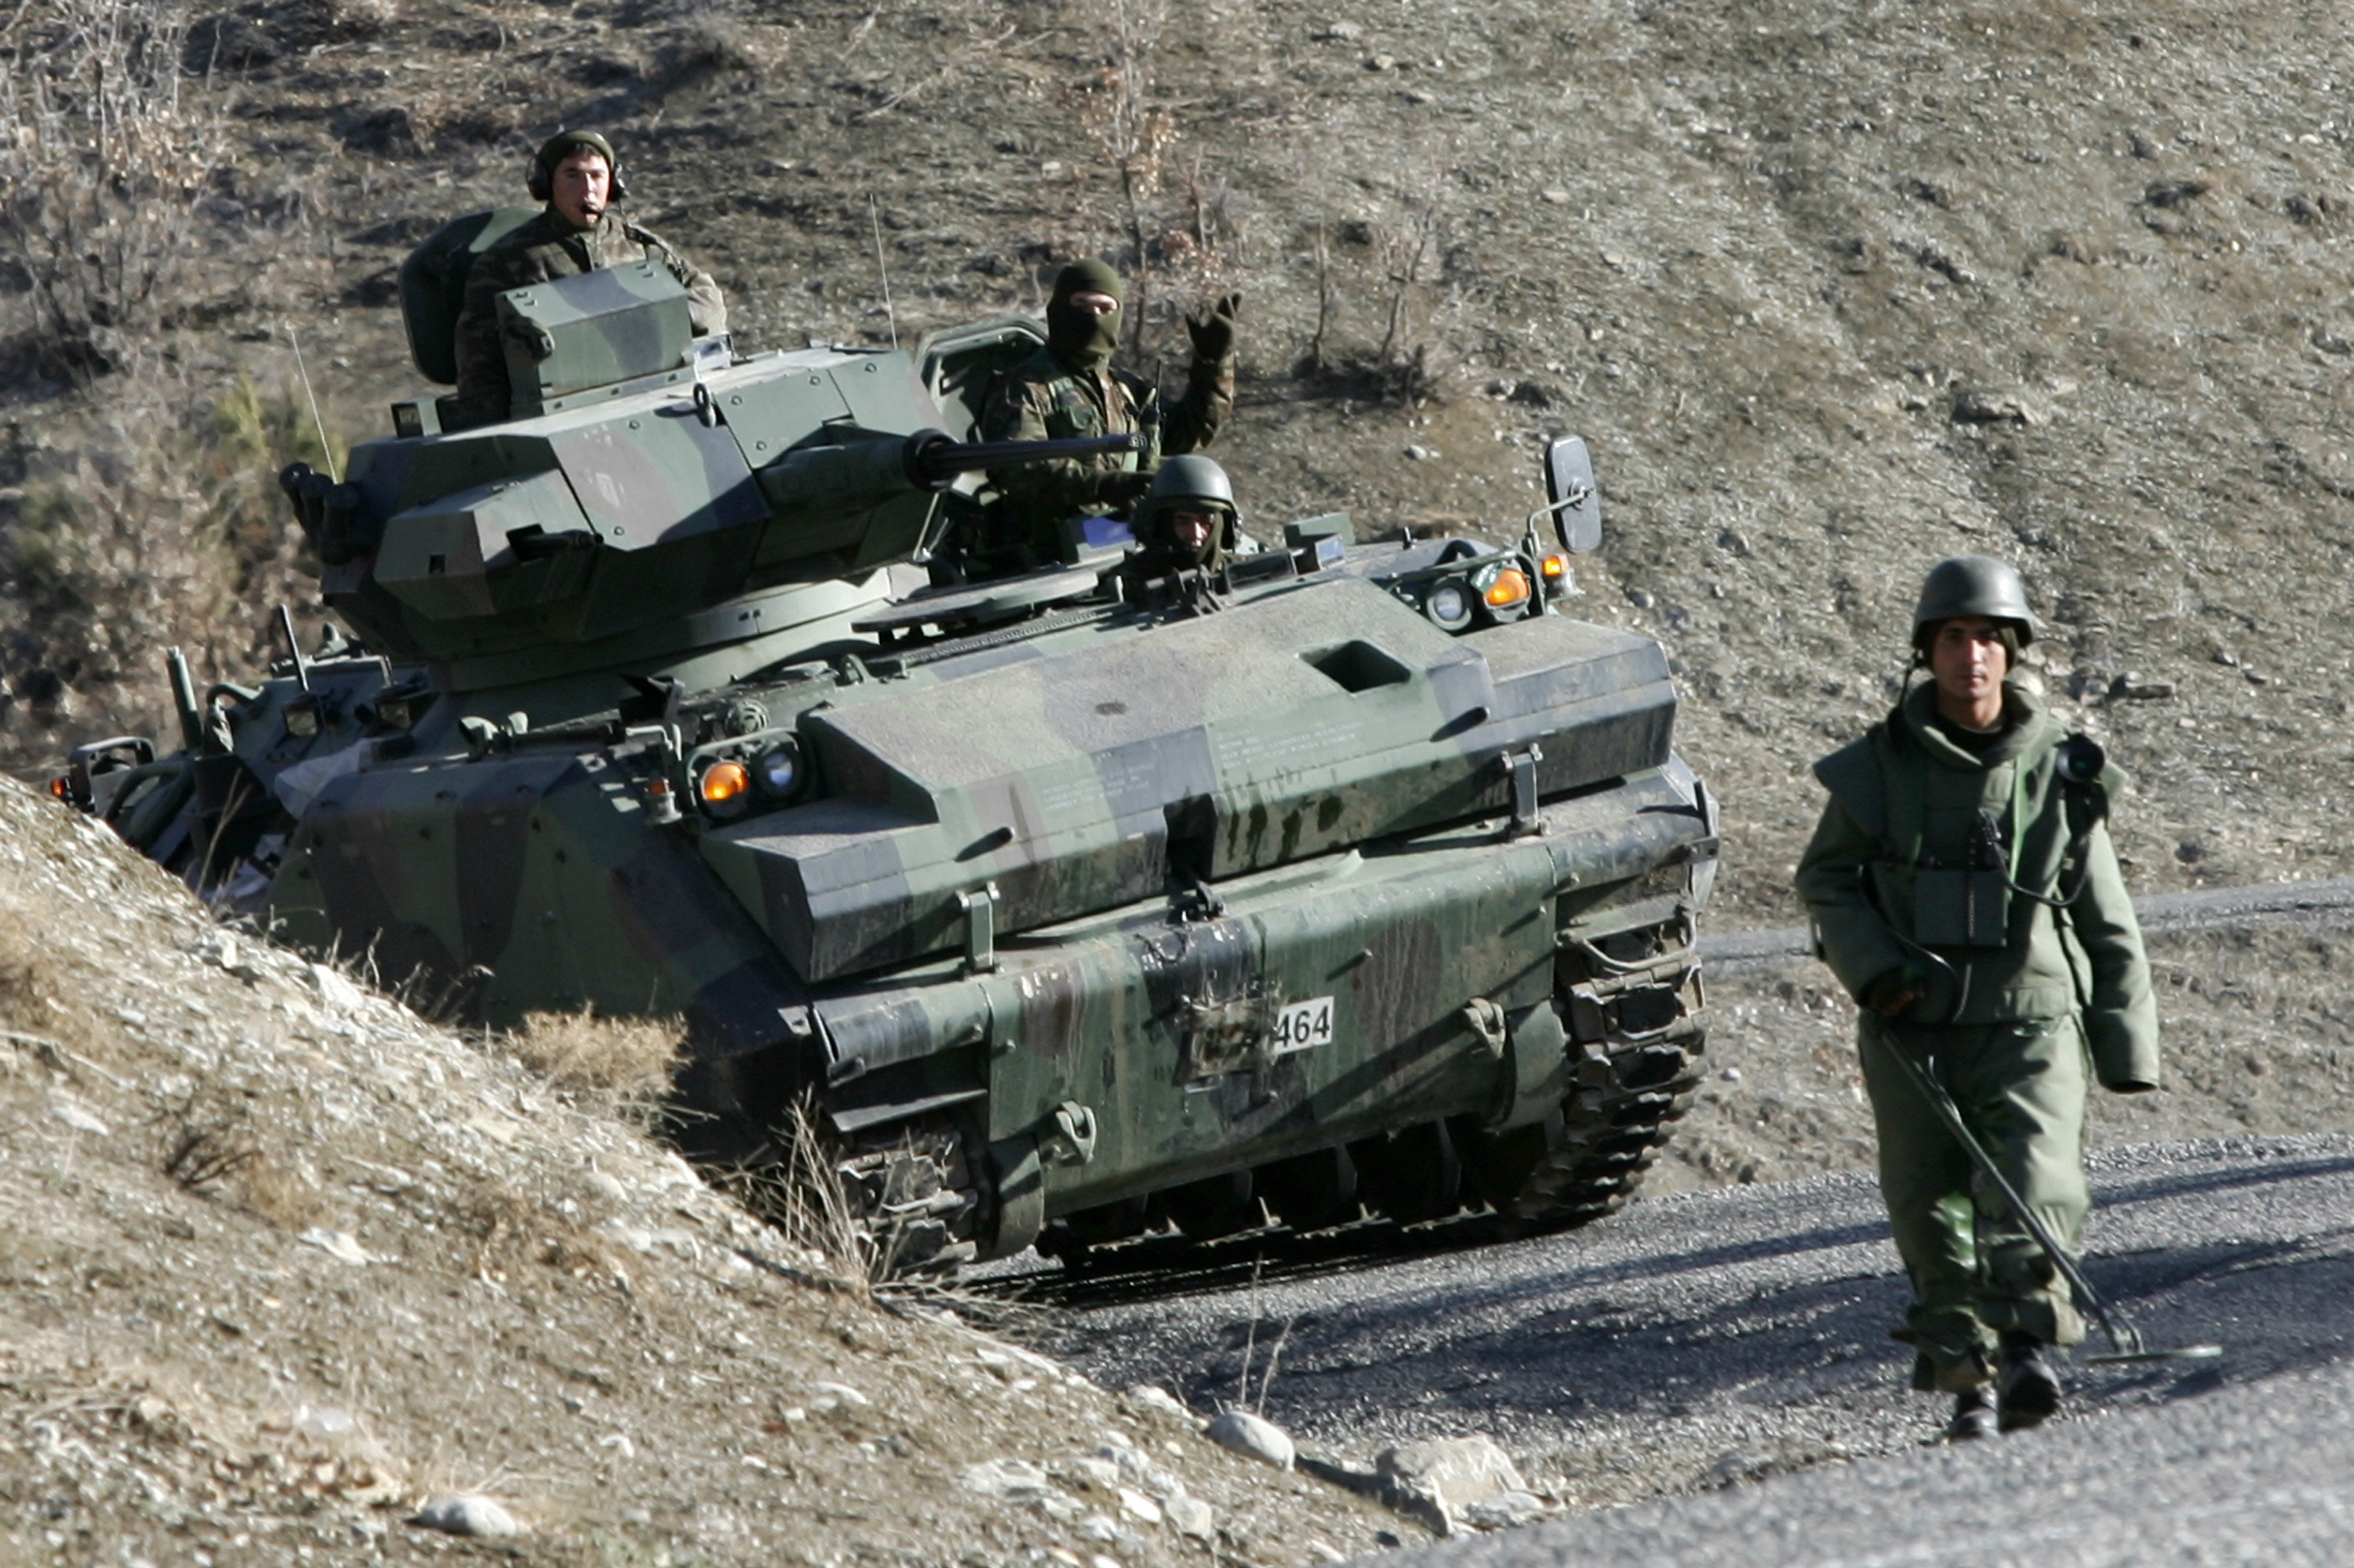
<point x="1194" y="478"/>
<point x="1973" y="584"/>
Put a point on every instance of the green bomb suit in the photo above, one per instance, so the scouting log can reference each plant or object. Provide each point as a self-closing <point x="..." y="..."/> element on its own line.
<point x="2030" y="999"/>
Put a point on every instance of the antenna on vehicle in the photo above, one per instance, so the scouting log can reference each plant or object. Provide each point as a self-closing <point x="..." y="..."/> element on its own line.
<point x="874" y="216"/>
<point x="325" y="446"/>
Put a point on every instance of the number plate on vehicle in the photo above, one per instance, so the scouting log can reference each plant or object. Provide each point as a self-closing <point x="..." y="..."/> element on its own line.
<point x="1303" y="1025"/>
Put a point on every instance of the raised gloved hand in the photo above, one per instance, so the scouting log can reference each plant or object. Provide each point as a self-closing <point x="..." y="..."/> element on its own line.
<point x="1122" y="488"/>
<point x="1213" y="334"/>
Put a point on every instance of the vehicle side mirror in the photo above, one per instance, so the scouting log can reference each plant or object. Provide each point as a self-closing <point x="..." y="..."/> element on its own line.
<point x="1570" y="495"/>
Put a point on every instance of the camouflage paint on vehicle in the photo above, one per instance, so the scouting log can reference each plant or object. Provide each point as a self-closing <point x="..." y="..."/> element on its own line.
<point x="1073" y="909"/>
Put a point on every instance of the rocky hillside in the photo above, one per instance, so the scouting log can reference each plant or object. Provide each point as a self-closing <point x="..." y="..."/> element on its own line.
<point x="285" y="1267"/>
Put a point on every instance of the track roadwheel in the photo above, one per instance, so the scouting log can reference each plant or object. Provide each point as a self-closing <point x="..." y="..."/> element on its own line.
<point x="1310" y="1192"/>
<point x="1632" y="1003"/>
<point x="1410" y="1175"/>
<point x="909" y="1199"/>
<point x="1214" y="1207"/>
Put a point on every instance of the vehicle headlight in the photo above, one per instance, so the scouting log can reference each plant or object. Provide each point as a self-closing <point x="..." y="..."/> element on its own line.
<point x="778" y="770"/>
<point x="1448" y="605"/>
<point x="1508" y="588"/>
<point x="724" y="783"/>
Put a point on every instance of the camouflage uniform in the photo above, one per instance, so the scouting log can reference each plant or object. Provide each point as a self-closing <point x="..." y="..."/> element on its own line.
<point x="1067" y="388"/>
<point x="2007" y="1021"/>
<point x="547" y="247"/>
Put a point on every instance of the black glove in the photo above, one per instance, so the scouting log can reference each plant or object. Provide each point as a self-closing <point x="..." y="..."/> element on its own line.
<point x="1894" y="990"/>
<point x="1122" y="488"/>
<point x="1213" y="334"/>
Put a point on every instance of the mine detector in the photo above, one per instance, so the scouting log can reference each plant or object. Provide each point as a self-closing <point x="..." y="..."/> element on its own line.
<point x="1358" y="882"/>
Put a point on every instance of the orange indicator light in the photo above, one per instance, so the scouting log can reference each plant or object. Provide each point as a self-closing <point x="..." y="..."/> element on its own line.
<point x="724" y="781"/>
<point x="1510" y="587"/>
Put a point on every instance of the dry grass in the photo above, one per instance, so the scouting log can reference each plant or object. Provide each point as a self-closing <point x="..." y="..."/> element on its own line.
<point x="802" y="1199"/>
<point x="619" y="1068"/>
<point x="35" y="1009"/>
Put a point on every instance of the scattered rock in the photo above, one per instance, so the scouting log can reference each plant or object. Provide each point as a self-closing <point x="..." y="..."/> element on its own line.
<point x="1381" y="62"/>
<point x="1641" y="599"/>
<point x="1136" y="1505"/>
<point x="340" y="1245"/>
<point x="1335" y="32"/>
<point x="1159" y="1400"/>
<point x="80" y="1118"/>
<point x="1453" y="1472"/>
<point x="1190" y="1516"/>
<point x="841" y="1391"/>
<point x="1419" y="453"/>
<point x="1005" y="1478"/>
<point x="2172" y="194"/>
<point x="1259" y="1438"/>
<point x="466" y="1515"/>
<point x="1556" y="195"/>
<point x="1993" y="409"/>
<point x="2131" y="688"/>
<point x="1506" y="1511"/>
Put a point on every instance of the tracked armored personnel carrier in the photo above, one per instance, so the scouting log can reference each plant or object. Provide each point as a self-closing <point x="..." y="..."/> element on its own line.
<point x="1359" y="880"/>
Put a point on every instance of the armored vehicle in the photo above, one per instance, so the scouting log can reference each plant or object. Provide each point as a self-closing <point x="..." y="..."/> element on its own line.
<point x="1354" y="880"/>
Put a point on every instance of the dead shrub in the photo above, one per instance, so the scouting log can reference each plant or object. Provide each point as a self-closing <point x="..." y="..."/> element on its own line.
<point x="109" y="150"/>
<point x="511" y="1230"/>
<point x="615" y="1067"/>
<point x="35" y="1011"/>
<point x="138" y="523"/>
<point x="273" y="1190"/>
<point x="802" y="1197"/>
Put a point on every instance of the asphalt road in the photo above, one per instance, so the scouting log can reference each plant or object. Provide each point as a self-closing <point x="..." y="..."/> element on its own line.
<point x="1708" y="1378"/>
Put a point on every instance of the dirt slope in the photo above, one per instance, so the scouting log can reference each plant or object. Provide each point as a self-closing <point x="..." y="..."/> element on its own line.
<point x="279" y="1263"/>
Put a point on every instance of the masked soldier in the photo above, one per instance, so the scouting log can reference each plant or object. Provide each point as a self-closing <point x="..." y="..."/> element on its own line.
<point x="577" y="174"/>
<point x="1964" y="891"/>
<point x="1068" y="389"/>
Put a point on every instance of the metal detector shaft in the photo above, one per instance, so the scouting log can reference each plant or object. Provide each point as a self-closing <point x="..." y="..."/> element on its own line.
<point x="2123" y="1340"/>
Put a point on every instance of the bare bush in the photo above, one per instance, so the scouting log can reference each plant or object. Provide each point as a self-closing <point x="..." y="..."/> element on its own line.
<point x="1125" y="118"/>
<point x="109" y="149"/>
<point x="1401" y="280"/>
<point x="144" y="524"/>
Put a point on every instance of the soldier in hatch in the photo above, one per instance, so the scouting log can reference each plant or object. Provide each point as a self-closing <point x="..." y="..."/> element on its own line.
<point x="577" y="174"/>
<point x="1069" y="388"/>
<point x="1187" y="522"/>
<point x="1964" y="891"/>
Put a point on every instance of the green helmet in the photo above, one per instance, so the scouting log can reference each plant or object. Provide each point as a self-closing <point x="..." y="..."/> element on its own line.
<point x="1192" y="478"/>
<point x="1973" y="584"/>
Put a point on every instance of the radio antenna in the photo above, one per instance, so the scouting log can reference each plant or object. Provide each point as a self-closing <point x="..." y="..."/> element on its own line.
<point x="874" y="216"/>
<point x="326" y="447"/>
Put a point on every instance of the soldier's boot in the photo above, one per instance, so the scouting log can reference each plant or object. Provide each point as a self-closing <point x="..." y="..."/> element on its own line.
<point x="2029" y="1387"/>
<point x="1974" y="1416"/>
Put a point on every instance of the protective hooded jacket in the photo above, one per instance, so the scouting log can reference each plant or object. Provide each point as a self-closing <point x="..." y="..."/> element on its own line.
<point x="1922" y="851"/>
<point x="1046" y="398"/>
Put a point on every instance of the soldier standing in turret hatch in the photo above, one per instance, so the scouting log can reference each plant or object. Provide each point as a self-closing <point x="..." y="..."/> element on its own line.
<point x="1068" y="389"/>
<point x="579" y="177"/>
<point x="1965" y="890"/>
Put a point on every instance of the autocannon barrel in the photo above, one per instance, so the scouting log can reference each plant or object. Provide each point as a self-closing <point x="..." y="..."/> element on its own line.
<point x="867" y="473"/>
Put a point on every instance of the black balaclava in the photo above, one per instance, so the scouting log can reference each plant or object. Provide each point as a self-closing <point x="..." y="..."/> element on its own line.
<point x="1082" y="340"/>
